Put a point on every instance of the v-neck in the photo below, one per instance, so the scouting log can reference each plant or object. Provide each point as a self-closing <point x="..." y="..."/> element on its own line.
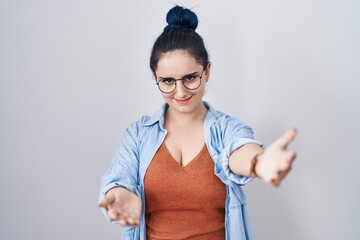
<point x="193" y="160"/>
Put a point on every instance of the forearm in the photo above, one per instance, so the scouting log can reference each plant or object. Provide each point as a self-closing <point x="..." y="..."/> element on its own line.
<point x="272" y="165"/>
<point x="240" y="161"/>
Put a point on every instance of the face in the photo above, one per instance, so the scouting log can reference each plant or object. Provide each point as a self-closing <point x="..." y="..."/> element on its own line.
<point x="177" y="65"/>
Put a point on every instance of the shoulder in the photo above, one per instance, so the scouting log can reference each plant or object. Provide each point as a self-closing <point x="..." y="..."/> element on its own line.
<point x="145" y="123"/>
<point x="141" y="122"/>
<point x="224" y="121"/>
<point x="138" y="126"/>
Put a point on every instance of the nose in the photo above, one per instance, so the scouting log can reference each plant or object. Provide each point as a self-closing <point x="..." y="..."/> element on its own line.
<point x="181" y="90"/>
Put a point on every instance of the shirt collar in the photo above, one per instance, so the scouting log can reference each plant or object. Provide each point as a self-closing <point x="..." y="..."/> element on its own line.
<point x="158" y="116"/>
<point x="212" y="115"/>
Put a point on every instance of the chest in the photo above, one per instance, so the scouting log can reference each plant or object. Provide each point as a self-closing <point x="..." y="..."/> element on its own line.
<point x="185" y="144"/>
<point x="168" y="182"/>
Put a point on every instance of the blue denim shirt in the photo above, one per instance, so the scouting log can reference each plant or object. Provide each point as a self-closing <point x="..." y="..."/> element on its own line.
<point x="223" y="135"/>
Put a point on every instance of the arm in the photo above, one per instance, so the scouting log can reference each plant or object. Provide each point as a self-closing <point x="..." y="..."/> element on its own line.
<point x="271" y="165"/>
<point x="119" y="196"/>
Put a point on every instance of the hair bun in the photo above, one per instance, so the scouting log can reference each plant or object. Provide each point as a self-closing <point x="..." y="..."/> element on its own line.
<point x="180" y="17"/>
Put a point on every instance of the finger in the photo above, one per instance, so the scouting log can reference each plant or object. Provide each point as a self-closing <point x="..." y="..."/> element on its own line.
<point x="283" y="174"/>
<point x="286" y="139"/>
<point x="131" y="221"/>
<point x="131" y="215"/>
<point x="275" y="182"/>
<point x="286" y="161"/>
<point x="136" y="223"/>
<point x="289" y="156"/>
<point x="124" y="215"/>
<point x="107" y="201"/>
<point x="279" y="176"/>
<point x="280" y="173"/>
<point x="122" y="222"/>
<point x="113" y="214"/>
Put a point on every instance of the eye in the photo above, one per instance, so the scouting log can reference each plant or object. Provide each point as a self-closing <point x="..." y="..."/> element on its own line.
<point x="189" y="78"/>
<point x="168" y="81"/>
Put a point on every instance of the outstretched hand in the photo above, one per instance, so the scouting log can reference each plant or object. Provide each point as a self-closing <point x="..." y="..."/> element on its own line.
<point x="276" y="161"/>
<point x="123" y="206"/>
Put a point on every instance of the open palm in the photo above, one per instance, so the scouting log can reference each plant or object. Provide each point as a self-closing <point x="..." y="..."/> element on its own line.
<point x="276" y="161"/>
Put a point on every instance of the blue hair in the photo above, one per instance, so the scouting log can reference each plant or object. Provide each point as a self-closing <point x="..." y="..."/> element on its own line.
<point x="179" y="17"/>
<point x="179" y="34"/>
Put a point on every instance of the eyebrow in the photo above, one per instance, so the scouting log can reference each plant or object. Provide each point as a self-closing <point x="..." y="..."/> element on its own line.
<point x="181" y="77"/>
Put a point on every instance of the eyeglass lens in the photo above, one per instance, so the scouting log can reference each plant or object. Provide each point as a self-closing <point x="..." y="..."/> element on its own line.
<point x="168" y="85"/>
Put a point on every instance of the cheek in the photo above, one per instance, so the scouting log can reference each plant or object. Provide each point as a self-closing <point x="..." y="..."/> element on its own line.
<point x="167" y="96"/>
<point x="201" y="91"/>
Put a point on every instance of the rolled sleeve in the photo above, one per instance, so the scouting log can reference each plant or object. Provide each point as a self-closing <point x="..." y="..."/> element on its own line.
<point x="225" y="155"/>
<point x="234" y="134"/>
<point x="123" y="170"/>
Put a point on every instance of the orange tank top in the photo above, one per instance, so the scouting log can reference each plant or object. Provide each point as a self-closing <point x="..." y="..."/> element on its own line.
<point x="184" y="202"/>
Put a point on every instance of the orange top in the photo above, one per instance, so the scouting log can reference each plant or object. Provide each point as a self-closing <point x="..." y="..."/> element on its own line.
<point x="184" y="201"/>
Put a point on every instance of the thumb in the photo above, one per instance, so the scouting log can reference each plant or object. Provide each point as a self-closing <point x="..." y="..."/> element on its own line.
<point x="285" y="139"/>
<point x="108" y="200"/>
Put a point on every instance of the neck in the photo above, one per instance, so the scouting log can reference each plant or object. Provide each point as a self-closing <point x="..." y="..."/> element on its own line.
<point x="185" y="119"/>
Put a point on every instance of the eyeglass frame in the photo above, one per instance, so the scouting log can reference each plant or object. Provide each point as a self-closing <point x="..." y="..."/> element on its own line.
<point x="183" y="81"/>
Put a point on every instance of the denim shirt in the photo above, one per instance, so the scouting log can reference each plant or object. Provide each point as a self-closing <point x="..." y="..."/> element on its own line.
<point x="137" y="147"/>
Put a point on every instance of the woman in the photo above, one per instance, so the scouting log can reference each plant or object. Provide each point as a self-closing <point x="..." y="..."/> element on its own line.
<point x="178" y="174"/>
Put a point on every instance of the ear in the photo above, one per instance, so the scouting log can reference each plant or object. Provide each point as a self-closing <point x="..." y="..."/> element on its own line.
<point x="206" y="74"/>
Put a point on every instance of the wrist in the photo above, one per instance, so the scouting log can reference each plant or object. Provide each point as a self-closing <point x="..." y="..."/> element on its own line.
<point x="254" y="164"/>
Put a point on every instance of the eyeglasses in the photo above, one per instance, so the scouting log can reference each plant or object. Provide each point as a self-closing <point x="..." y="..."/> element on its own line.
<point x="191" y="81"/>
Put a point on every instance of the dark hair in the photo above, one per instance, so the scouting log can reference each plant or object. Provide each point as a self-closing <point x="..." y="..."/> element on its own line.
<point x="179" y="34"/>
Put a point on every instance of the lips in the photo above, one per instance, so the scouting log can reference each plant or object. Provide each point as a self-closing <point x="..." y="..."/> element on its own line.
<point x="183" y="101"/>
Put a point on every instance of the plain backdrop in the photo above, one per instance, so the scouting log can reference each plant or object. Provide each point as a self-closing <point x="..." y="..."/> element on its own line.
<point x="74" y="74"/>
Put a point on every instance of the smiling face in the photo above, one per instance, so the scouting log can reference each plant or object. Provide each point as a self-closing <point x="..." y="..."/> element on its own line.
<point x="177" y="65"/>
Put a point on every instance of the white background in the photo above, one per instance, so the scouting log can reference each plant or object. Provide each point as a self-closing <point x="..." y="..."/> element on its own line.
<point x="74" y="74"/>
